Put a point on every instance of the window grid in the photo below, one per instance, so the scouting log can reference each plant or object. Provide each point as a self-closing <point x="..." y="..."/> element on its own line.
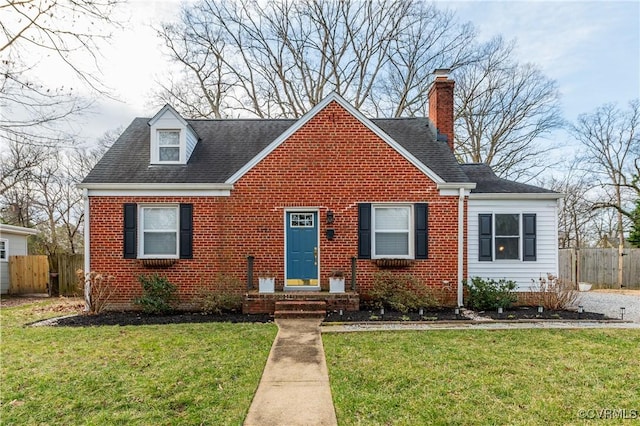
<point x="392" y="236"/>
<point x="301" y="220"/>
<point x="507" y="236"/>
<point x="164" y="236"/>
<point x="169" y="145"/>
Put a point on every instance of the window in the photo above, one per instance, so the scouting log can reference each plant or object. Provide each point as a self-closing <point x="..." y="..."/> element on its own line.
<point x="301" y="220"/>
<point x="4" y="248"/>
<point x="392" y="232"/>
<point x="169" y="145"/>
<point x="159" y="231"/>
<point x="507" y="236"/>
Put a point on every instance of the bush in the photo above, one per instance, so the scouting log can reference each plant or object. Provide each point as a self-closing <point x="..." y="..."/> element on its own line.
<point x="100" y="289"/>
<point x="552" y="293"/>
<point x="158" y="294"/>
<point x="218" y="302"/>
<point x="400" y="292"/>
<point x="490" y="294"/>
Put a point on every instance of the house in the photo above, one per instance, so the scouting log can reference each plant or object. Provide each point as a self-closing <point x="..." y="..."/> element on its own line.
<point x="213" y="204"/>
<point x="13" y="242"/>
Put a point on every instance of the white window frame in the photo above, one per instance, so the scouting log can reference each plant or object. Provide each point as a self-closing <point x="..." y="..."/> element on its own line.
<point x="4" y="258"/>
<point x="410" y="231"/>
<point x="495" y="236"/>
<point x="141" y="231"/>
<point x="180" y="146"/>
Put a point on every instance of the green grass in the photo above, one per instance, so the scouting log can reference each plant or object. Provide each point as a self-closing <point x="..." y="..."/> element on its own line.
<point x="162" y="375"/>
<point x="482" y="377"/>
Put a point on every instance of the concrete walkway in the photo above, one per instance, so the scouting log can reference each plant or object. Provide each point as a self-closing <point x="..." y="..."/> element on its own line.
<point x="294" y="389"/>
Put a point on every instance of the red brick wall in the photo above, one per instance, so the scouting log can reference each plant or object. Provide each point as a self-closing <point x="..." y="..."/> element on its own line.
<point x="332" y="163"/>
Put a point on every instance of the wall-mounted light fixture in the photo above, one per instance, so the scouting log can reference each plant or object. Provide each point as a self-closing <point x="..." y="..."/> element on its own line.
<point x="330" y="217"/>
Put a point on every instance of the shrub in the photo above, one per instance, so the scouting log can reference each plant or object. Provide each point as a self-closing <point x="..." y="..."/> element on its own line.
<point x="400" y="292"/>
<point x="158" y="294"/>
<point x="219" y="302"/>
<point x="490" y="294"/>
<point x="100" y="289"/>
<point x="552" y="293"/>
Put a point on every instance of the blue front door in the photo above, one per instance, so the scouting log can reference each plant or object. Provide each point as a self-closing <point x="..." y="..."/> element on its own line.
<point x="302" y="249"/>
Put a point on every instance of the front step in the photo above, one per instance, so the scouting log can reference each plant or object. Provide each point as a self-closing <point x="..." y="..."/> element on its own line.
<point x="300" y="309"/>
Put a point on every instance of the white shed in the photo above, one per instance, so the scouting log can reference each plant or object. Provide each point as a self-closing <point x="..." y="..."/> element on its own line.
<point x="13" y="242"/>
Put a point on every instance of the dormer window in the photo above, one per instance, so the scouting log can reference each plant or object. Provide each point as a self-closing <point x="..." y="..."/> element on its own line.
<point x="169" y="145"/>
<point x="172" y="139"/>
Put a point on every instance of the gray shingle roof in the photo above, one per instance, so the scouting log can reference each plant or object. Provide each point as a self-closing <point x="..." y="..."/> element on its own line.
<point x="227" y="145"/>
<point x="488" y="183"/>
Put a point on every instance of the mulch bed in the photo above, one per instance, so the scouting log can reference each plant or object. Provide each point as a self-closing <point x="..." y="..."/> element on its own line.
<point x="529" y="313"/>
<point x="364" y="315"/>
<point x="138" y="318"/>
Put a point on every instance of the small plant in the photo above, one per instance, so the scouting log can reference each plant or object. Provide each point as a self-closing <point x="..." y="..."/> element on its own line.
<point x="405" y="318"/>
<point x="485" y="295"/>
<point x="100" y="289"/>
<point x="400" y="292"/>
<point x="374" y="317"/>
<point x="553" y="293"/>
<point x="158" y="294"/>
<point x="337" y="273"/>
<point x="219" y="302"/>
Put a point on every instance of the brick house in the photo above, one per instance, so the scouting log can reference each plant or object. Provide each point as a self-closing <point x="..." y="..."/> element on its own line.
<point x="215" y="204"/>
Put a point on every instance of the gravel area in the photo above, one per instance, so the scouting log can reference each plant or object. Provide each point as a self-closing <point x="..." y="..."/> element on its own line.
<point x="609" y="304"/>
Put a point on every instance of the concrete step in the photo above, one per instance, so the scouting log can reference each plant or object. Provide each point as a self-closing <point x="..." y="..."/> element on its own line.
<point x="299" y="314"/>
<point x="300" y="309"/>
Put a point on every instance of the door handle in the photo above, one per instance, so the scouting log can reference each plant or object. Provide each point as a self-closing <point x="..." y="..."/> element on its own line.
<point x="315" y="256"/>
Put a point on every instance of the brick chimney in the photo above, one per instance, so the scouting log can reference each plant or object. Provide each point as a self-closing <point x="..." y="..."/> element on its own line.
<point x="441" y="104"/>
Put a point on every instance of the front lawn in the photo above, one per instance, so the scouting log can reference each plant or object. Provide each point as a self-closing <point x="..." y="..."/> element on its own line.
<point x="484" y="377"/>
<point x="162" y="375"/>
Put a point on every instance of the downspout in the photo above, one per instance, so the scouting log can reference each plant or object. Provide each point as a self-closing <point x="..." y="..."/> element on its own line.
<point x="460" y="245"/>
<point x="87" y="251"/>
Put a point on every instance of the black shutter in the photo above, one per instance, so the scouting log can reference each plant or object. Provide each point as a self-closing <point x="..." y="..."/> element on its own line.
<point x="485" y="252"/>
<point x="422" y="230"/>
<point x="364" y="231"/>
<point x="186" y="231"/>
<point x="529" y="237"/>
<point x="130" y="230"/>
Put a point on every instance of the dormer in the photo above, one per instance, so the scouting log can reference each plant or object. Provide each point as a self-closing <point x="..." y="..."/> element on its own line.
<point x="172" y="138"/>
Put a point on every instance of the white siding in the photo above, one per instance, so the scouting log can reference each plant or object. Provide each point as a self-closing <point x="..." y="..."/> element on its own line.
<point x="546" y="241"/>
<point x="16" y="246"/>
<point x="192" y="140"/>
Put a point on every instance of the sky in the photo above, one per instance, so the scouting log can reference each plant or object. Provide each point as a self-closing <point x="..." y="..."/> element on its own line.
<point x="591" y="48"/>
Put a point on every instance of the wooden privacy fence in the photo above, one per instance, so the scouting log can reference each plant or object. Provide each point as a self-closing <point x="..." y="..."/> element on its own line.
<point x="29" y="274"/>
<point x="599" y="266"/>
<point x="66" y="280"/>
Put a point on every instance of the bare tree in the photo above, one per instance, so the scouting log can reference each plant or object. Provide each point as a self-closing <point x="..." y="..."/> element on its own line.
<point x="32" y="30"/>
<point x="611" y="140"/>
<point x="279" y="59"/>
<point x="502" y="107"/>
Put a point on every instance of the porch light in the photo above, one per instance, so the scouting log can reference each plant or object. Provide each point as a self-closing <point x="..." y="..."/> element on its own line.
<point x="622" y="312"/>
<point x="330" y="217"/>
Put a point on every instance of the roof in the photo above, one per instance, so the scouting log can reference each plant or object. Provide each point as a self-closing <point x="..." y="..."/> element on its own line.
<point x="226" y="145"/>
<point x="16" y="230"/>
<point x="488" y="183"/>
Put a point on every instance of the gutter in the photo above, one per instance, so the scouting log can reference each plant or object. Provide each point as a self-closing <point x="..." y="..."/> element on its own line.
<point x="87" y="250"/>
<point x="460" y="245"/>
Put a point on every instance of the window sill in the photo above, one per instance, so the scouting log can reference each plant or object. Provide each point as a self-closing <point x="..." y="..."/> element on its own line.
<point x="394" y="263"/>
<point x="158" y="263"/>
